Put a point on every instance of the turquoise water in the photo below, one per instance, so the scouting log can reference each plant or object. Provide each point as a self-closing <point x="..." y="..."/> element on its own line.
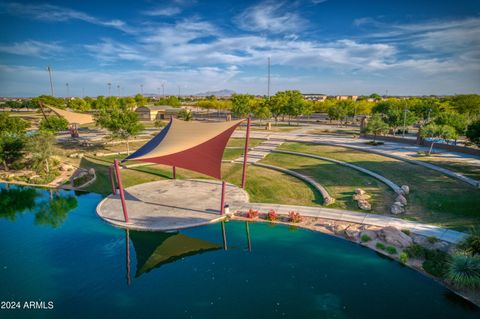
<point x="55" y="249"/>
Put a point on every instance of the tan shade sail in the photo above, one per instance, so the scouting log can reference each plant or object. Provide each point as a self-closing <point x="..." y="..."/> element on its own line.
<point x="73" y="117"/>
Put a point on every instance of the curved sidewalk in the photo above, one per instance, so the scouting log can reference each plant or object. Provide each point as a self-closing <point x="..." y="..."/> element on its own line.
<point x="447" y="235"/>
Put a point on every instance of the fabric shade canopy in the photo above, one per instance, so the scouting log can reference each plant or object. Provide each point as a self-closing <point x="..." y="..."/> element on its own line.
<point x="155" y="249"/>
<point x="73" y="117"/>
<point x="191" y="145"/>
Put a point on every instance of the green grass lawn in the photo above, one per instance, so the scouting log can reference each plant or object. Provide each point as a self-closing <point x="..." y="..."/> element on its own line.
<point x="434" y="198"/>
<point x="263" y="185"/>
<point x="467" y="169"/>
<point x="341" y="188"/>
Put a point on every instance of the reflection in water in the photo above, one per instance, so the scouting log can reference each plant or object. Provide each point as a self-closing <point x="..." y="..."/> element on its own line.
<point x="55" y="211"/>
<point x="154" y="249"/>
<point x="224" y="237"/>
<point x="127" y="244"/>
<point x="249" y="243"/>
<point x="17" y="199"/>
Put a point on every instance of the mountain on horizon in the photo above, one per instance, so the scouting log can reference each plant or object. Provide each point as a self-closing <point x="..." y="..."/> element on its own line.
<point x="216" y="93"/>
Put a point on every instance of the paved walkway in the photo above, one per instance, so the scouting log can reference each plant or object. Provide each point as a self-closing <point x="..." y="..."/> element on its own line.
<point x="403" y="152"/>
<point x="171" y="204"/>
<point x="447" y="235"/>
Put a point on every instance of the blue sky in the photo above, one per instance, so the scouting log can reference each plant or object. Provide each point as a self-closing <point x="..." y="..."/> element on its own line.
<point x="331" y="46"/>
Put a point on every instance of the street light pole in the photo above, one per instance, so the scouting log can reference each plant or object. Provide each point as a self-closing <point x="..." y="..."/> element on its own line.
<point x="141" y="88"/>
<point x="109" y="88"/>
<point x="404" y="117"/>
<point x="68" y="89"/>
<point x="50" y="76"/>
<point x="163" y="90"/>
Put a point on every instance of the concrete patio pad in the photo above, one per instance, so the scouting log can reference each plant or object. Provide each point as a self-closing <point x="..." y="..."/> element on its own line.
<point x="171" y="204"/>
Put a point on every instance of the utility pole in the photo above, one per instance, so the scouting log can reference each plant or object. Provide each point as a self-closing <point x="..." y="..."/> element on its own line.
<point x="51" y="83"/>
<point x="178" y="91"/>
<point x="141" y="88"/>
<point x="404" y="117"/>
<point x="118" y="87"/>
<point x="163" y="89"/>
<point x="83" y="92"/>
<point x="268" y="84"/>
<point x="109" y="88"/>
<point x="68" y="89"/>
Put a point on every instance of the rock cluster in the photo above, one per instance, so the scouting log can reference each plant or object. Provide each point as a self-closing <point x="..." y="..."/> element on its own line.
<point x="362" y="199"/>
<point x="401" y="202"/>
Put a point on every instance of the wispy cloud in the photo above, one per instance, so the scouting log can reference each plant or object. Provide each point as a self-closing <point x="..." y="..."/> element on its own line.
<point x="166" y="11"/>
<point x="53" y="13"/>
<point x="32" y="48"/>
<point x="270" y="16"/>
<point x="108" y="51"/>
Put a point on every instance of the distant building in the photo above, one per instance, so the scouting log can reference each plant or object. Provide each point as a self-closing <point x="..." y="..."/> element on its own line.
<point x="314" y="97"/>
<point x="156" y="112"/>
<point x="346" y="97"/>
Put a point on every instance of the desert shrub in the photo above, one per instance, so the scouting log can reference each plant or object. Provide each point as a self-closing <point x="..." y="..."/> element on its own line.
<point x="391" y="250"/>
<point x="252" y="213"/>
<point x="272" y="215"/>
<point x="159" y="123"/>
<point x="365" y="238"/>
<point x="415" y="251"/>
<point x="464" y="271"/>
<point x="380" y="246"/>
<point x="471" y="244"/>
<point x="406" y="231"/>
<point x="403" y="257"/>
<point x="294" y="217"/>
<point x="436" y="262"/>
<point x="53" y="124"/>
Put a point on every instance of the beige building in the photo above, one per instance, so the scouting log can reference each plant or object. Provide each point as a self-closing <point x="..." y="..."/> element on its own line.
<point x="346" y="97"/>
<point x="156" y="112"/>
<point x="315" y="97"/>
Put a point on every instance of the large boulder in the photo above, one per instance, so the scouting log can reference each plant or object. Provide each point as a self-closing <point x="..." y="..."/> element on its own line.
<point x="405" y="189"/>
<point x="401" y="199"/>
<point x="395" y="237"/>
<point x="352" y="232"/>
<point x="360" y="191"/>
<point x="361" y="197"/>
<point x="364" y="205"/>
<point x="91" y="171"/>
<point x="339" y="229"/>
<point x="397" y="208"/>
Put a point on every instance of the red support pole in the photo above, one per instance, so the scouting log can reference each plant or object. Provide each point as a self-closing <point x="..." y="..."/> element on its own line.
<point x="222" y="201"/>
<point x="120" y="188"/>
<point x="174" y="172"/>
<point x="245" y="155"/>
<point x="112" y="180"/>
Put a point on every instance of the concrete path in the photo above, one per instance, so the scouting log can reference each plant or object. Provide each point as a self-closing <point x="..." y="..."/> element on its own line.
<point x="447" y="235"/>
<point x="170" y="204"/>
<point x="403" y="152"/>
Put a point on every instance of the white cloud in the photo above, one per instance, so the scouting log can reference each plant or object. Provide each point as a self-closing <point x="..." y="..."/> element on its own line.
<point x="32" y="48"/>
<point x="270" y="16"/>
<point x="53" y="13"/>
<point x="110" y="51"/>
<point x="166" y="11"/>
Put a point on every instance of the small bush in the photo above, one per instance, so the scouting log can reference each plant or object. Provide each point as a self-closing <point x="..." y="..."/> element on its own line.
<point x="380" y="246"/>
<point x="272" y="215"/>
<point x="403" y="257"/>
<point x="432" y="239"/>
<point x="416" y="251"/>
<point x="374" y="143"/>
<point x="406" y="231"/>
<point x="471" y="244"/>
<point x="252" y="213"/>
<point x="464" y="271"/>
<point x="53" y="124"/>
<point x="436" y="263"/>
<point x="294" y="217"/>
<point x="391" y="250"/>
<point x="365" y="238"/>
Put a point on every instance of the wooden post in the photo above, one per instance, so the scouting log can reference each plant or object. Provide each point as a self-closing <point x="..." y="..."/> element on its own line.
<point x="112" y="180"/>
<point x="127" y="247"/>
<point x="222" y="200"/>
<point x="245" y="155"/>
<point x="120" y="188"/>
<point x="174" y="172"/>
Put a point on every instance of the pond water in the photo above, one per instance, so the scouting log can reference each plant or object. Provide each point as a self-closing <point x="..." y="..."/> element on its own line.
<point x="55" y="249"/>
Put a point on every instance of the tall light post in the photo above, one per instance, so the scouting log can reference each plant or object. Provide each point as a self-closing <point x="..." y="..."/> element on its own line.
<point x="268" y="84"/>
<point x="51" y="82"/>
<point x="163" y="89"/>
<point x="83" y="92"/>
<point x="118" y="87"/>
<point x="68" y="89"/>
<point x="109" y="88"/>
<point x="404" y="117"/>
<point x="141" y="88"/>
<point x="178" y="91"/>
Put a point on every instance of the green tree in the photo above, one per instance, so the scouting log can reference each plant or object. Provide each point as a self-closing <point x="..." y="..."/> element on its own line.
<point x="242" y="104"/>
<point x="50" y="100"/>
<point x="277" y="104"/>
<point x="11" y="148"/>
<point x="451" y="118"/>
<point x="467" y="104"/>
<point x="53" y="124"/>
<point x="337" y="112"/>
<point x="99" y="103"/>
<point x="262" y="112"/>
<point x="78" y="104"/>
<point x="473" y="132"/>
<point x="375" y="96"/>
<point x="141" y="100"/>
<point x="434" y="133"/>
<point x="120" y="121"/>
<point x="41" y="146"/>
<point x="376" y="126"/>
<point x="12" y="125"/>
<point x="185" y="115"/>
<point x="128" y="102"/>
